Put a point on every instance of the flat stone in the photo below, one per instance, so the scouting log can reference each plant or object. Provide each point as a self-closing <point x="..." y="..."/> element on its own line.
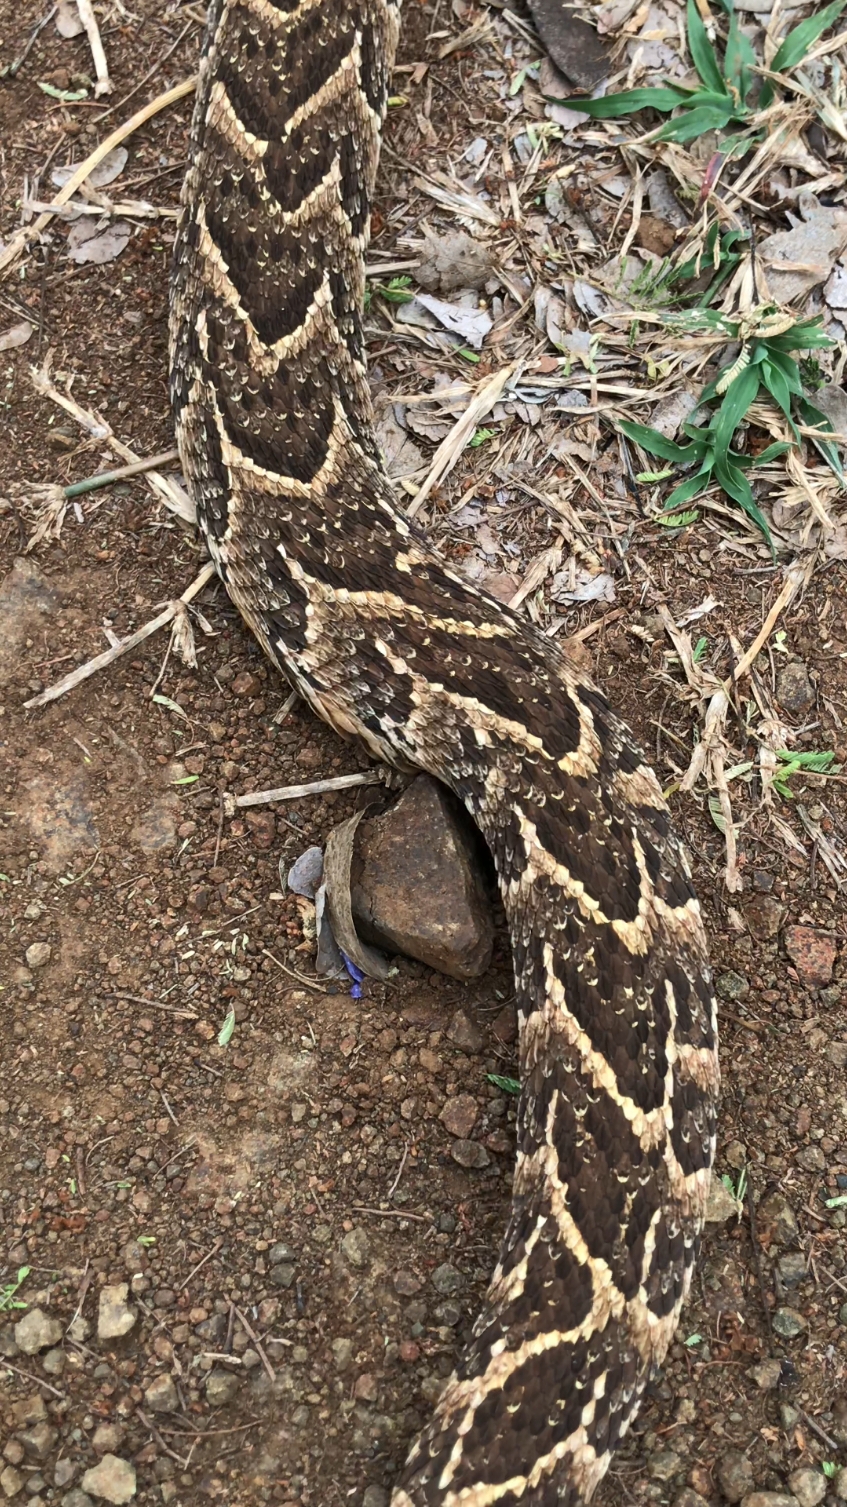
<point x="356" y="1248"/>
<point x="664" y="1465"/>
<point x="777" y="1221"/>
<point x="107" y="1437"/>
<point x="11" y="1481"/>
<point x="221" y="1387"/>
<point x="29" y="1410"/>
<point x="64" y="1471"/>
<point x="813" y="954"/>
<point x="811" y="1159"/>
<point x="38" y="1440"/>
<point x="764" y="916"/>
<point x="37" y="1331"/>
<point x="467" y="1036"/>
<point x="470" y="1154"/>
<point x="720" y="1205"/>
<point x="38" y="954"/>
<point x="76" y="1498"/>
<point x="115" y="1317"/>
<point x="809" y="1486"/>
<point x="788" y="1323"/>
<point x="459" y="1115"/>
<point x="342" y="1354"/>
<point x="735" y="1475"/>
<point x="732" y="985"/>
<point x="161" y="1395"/>
<point x="766" y="1375"/>
<point x="794" y="690"/>
<point x="446" y="1279"/>
<point x="769" y="1499"/>
<point x="572" y="43"/>
<point x="417" y="883"/>
<point x="112" y="1479"/>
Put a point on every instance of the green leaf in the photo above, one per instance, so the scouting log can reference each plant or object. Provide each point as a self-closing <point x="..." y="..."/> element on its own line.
<point x="508" y="1085"/>
<point x="815" y="419"/>
<point x="777" y="386"/>
<point x="689" y="488"/>
<point x="806" y="335"/>
<point x="693" y="123"/>
<point x="67" y="96"/>
<point x="702" y="51"/>
<point x="656" y="444"/>
<point x="794" y="47"/>
<point x="626" y="103"/>
<point x="737" y="399"/>
<point x="739" y="58"/>
<point x="736" y="486"/>
<point x="226" y="1030"/>
<point x="787" y="367"/>
<point x="778" y="448"/>
<point x="679" y="520"/>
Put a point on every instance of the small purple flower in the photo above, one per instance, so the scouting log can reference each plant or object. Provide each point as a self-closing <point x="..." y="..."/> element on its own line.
<point x="355" y="973"/>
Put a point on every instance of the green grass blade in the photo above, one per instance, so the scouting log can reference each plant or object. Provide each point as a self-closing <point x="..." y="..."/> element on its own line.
<point x="816" y="419"/>
<point x="613" y="106"/>
<point x="739" y="58"/>
<point x="779" y="447"/>
<point x="794" y="47"/>
<point x="736" y="486"/>
<point x="787" y="367"/>
<point x="739" y="395"/>
<point x="695" y="122"/>
<point x="688" y="489"/>
<point x="702" y="51"/>
<point x="806" y="335"/>
<point x="656" y="444"/>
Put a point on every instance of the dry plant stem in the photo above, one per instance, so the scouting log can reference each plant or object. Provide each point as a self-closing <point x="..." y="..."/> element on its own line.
<point x="105" y="478"/>
<point x="451" y="448"/>
<point x="315" y="787"/>
<point x="101" y="67"/>
<point x="84" y="672"/>
<point x="28" y="233"/>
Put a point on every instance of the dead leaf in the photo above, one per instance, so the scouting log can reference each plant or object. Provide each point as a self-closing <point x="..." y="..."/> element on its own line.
<point x="471" y="325"/>
<point x="583" y="587"/>
<point x="88" y="242"/>
<point x="672" y="412"/>
<point x="106" y="171"/>
<point x="402" y="456"/>
<point x="17" y="334"/>
<point x="68" y="23"/>
<point x="801" y="258"/>
<point x="337" y="862"/>
<point x="452" y="260"/>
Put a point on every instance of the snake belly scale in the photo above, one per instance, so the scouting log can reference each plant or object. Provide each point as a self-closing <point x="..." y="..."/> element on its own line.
<point x="618" y="1051"/>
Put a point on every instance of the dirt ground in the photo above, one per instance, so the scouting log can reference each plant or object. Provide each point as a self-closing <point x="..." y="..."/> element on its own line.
<point x="304" y="1255"/>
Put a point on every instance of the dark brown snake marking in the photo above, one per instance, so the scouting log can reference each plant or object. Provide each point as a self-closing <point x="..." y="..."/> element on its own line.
<point x="618" y="1043"/>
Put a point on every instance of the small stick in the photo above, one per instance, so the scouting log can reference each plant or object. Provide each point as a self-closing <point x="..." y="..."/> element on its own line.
<point x="314" y="787"/>
<point x="393" y="1187"/>
<point x="187" y="1147"/>
<point x="259" y="1351"/>
<point x="22" y="238"/>
<point x="98" y="56"/>
<point x="6" y="1365"/>
<point x="310" y="983"/>
<point x="208" y="1256"/>
<point x="390" y="1213"/>
<point x="159" y="1440"/>
<point x="100" y="661"/>
<point x="831" y="1444"/>
<point x="153" y="1004"/>
<point x="105" y="478"/>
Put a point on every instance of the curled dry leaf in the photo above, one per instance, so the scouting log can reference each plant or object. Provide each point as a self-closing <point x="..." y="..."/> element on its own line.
<point x="17" y="334"/>
<point x="305" y="874"/>
<point x="471" y="325"/>
<point x="337" y="863"/>
<point x="452" y="260"/>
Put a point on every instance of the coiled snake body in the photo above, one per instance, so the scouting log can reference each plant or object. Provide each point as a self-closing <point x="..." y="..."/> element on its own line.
<point x="617" y="1029"/>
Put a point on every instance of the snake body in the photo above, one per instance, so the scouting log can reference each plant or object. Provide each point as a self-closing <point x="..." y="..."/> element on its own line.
<point x="617" y="1027"/>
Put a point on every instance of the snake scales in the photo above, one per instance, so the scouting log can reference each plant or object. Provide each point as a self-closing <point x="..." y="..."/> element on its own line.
<point x="618" y="1043"/>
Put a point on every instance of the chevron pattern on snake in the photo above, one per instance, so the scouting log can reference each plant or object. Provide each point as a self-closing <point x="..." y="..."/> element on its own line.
<point x="617" y="1027"/>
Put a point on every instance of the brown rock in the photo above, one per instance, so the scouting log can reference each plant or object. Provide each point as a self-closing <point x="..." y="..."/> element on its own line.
<point x="505" y="1025"/>
<point x="245" y="684"/>
<point x="813" y="954"/>
<point x="794" y="689"/>
<point x="464" y="1034"/>
<point x="469" y="1154"/>
<point x="417" y="883"/>
<point x="763" y="915"/>
<point x="459" y="1115"/>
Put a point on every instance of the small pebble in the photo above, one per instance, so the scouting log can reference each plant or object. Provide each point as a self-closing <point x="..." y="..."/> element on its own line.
<point x="356" y="1248"/>
<point x="38" y="954"/>
<point x="115" y="1317"/>
<point x="446" y="1279"/>
<point x="37" y="1331"/>
<point x="735" y="1475"/>
<point x="112" y="1479"/>
<point x="788" y="1323"/>
<point x="470" y="1154"/>
<point x="809" y="1486"/>
<point x="766" y="1375"/>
